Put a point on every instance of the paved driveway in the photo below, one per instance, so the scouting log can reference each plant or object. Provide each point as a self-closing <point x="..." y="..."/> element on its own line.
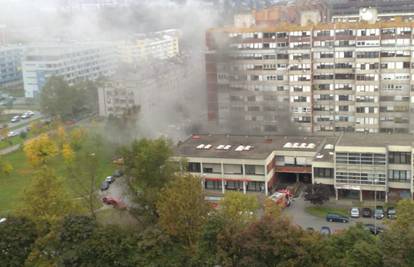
<point x="300" y="217"/>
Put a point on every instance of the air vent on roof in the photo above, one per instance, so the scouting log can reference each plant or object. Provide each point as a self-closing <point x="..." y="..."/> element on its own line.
<point x="303" y="145"/>
<point x="248" y="148"/>
<point x="328" y="146"/>
<point x="220" y="147"/>
<point x="239" y="148"/>
<point x="287" y="145"/>
<point x="208" y="146"/>
<point x="331" y="153"/>
<point x="295" y="145"/>
<point x="319" y="156"/>
<point x="200" y="146"/>
<point x="227" y="147"/>
<point x="311" y="145"/>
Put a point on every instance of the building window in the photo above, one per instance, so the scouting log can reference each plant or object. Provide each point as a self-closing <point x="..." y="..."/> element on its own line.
<point x="194" y="167"/>
<point x="399" y="157"/>
<point x="234" y="185"/>
<point x="255" y="186"/>
<point x="399" y="176"/>
<point x="323" y="172"/>
<point x="213" y="185"/>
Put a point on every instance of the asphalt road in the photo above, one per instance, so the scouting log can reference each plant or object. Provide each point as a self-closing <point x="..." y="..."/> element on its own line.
<point x="36" y="116"/>
<point x="300" y="217"/>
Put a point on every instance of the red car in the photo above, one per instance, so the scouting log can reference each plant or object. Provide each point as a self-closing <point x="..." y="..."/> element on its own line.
<point x="116" y="203"/>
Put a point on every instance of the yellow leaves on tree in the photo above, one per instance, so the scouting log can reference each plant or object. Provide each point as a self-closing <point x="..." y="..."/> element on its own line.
<point x="46" y="198"/>
<point x="238" y="207"/>
<point x="76" y="138"/>
<point x="68" y="153"/>
<point x="6" y="168"/>
<point x="182" y="209"/>
<point x="61" y="134"/>
<point x="40" y="150"/>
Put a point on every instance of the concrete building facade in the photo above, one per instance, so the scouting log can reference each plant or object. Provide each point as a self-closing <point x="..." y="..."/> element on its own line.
<point x="73" y="62"/>
<point x="156" y="45"/>
<point x="353" y="165"/>
<point x="331" y="77"/>
<point x="11" y="65"/>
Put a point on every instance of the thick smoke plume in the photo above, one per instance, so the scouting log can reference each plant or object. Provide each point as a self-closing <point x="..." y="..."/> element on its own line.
<point x="32" y="21"/>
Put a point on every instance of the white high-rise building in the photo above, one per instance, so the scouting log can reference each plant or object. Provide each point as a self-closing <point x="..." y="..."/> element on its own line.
<point x="73" y="62"/>
<point x="156" y="45"/>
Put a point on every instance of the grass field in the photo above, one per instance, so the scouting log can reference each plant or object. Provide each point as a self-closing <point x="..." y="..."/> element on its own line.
<point x="323" y="211"/>
<point x="12" y="187"/>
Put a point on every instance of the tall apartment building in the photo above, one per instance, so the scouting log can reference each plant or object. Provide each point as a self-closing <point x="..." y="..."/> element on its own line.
<point x="157" y="45"/>
<point x="351" y="7"/>
<point x="10" y="65"/>
<point x="73" y="62"/>
<point x="332" y="77"/>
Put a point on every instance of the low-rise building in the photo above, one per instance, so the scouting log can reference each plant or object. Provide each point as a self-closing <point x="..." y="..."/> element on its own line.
<point x="73" y="62"/>
<point x="353" y="165"/>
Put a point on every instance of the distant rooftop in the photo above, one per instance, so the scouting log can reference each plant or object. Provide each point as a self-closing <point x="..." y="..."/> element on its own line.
<point x="376" y="140"/>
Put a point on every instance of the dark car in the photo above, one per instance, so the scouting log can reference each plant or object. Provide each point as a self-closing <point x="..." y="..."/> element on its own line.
<point x="325" y="230"/>
<point x="118" y="173"/>
<point x="110" y="179"/>
<point x="366" y="213"/>
<point x="375" y="230"/>
<point x="104" y="186"/>
<point x="336" y="218"/>
<point x="379" y="212"/>
<point x="391" y="213"/>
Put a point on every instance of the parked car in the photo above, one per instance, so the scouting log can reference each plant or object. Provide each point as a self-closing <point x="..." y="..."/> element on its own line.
<point x="25" y="115"/>
<point x="366" y="213"/>
<point x="116" y="203"/>
<point x="379" y="212"/>
<point x="109" y="179"/>
<point x="118" y="173"/>
<point x="391" y="213"/>
<point x="325" y="230"/>
<point x="30" y="113"/>
<point x="104" y="186"/>
<point x="374" y="230"/>
<point x="331" y="217"/>
<point x="12" y="134"/>
<point x="355" y="213"/>
<point x="15" y="119"/>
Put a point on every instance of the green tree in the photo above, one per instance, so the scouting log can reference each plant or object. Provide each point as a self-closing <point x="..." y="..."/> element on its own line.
<point x="46" y="198"/>
<point x="398" y="238"/>
<point x="238" y="207"/>
<point x="272" y="242"/>
<point x="148" y="167"/>
<point x="17" y="236"/>
<point x="344" y="249"/>
<point x="59" y="99"/>
<point x="183" y="210"/>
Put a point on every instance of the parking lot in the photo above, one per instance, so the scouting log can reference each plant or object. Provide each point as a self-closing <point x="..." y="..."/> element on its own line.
<point x="300" y="217"/>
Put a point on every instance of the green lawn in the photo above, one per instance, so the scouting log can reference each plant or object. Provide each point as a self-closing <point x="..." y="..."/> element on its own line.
<point x="323" y="211"/>
<point x="12" y="187"/>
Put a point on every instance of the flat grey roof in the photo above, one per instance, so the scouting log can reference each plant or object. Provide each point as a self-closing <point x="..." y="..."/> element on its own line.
<point x="375" y="140"/>
<point x="261" y="146"/>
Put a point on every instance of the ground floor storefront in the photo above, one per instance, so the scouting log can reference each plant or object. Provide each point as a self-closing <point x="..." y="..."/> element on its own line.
<point x="244" y="186"/>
